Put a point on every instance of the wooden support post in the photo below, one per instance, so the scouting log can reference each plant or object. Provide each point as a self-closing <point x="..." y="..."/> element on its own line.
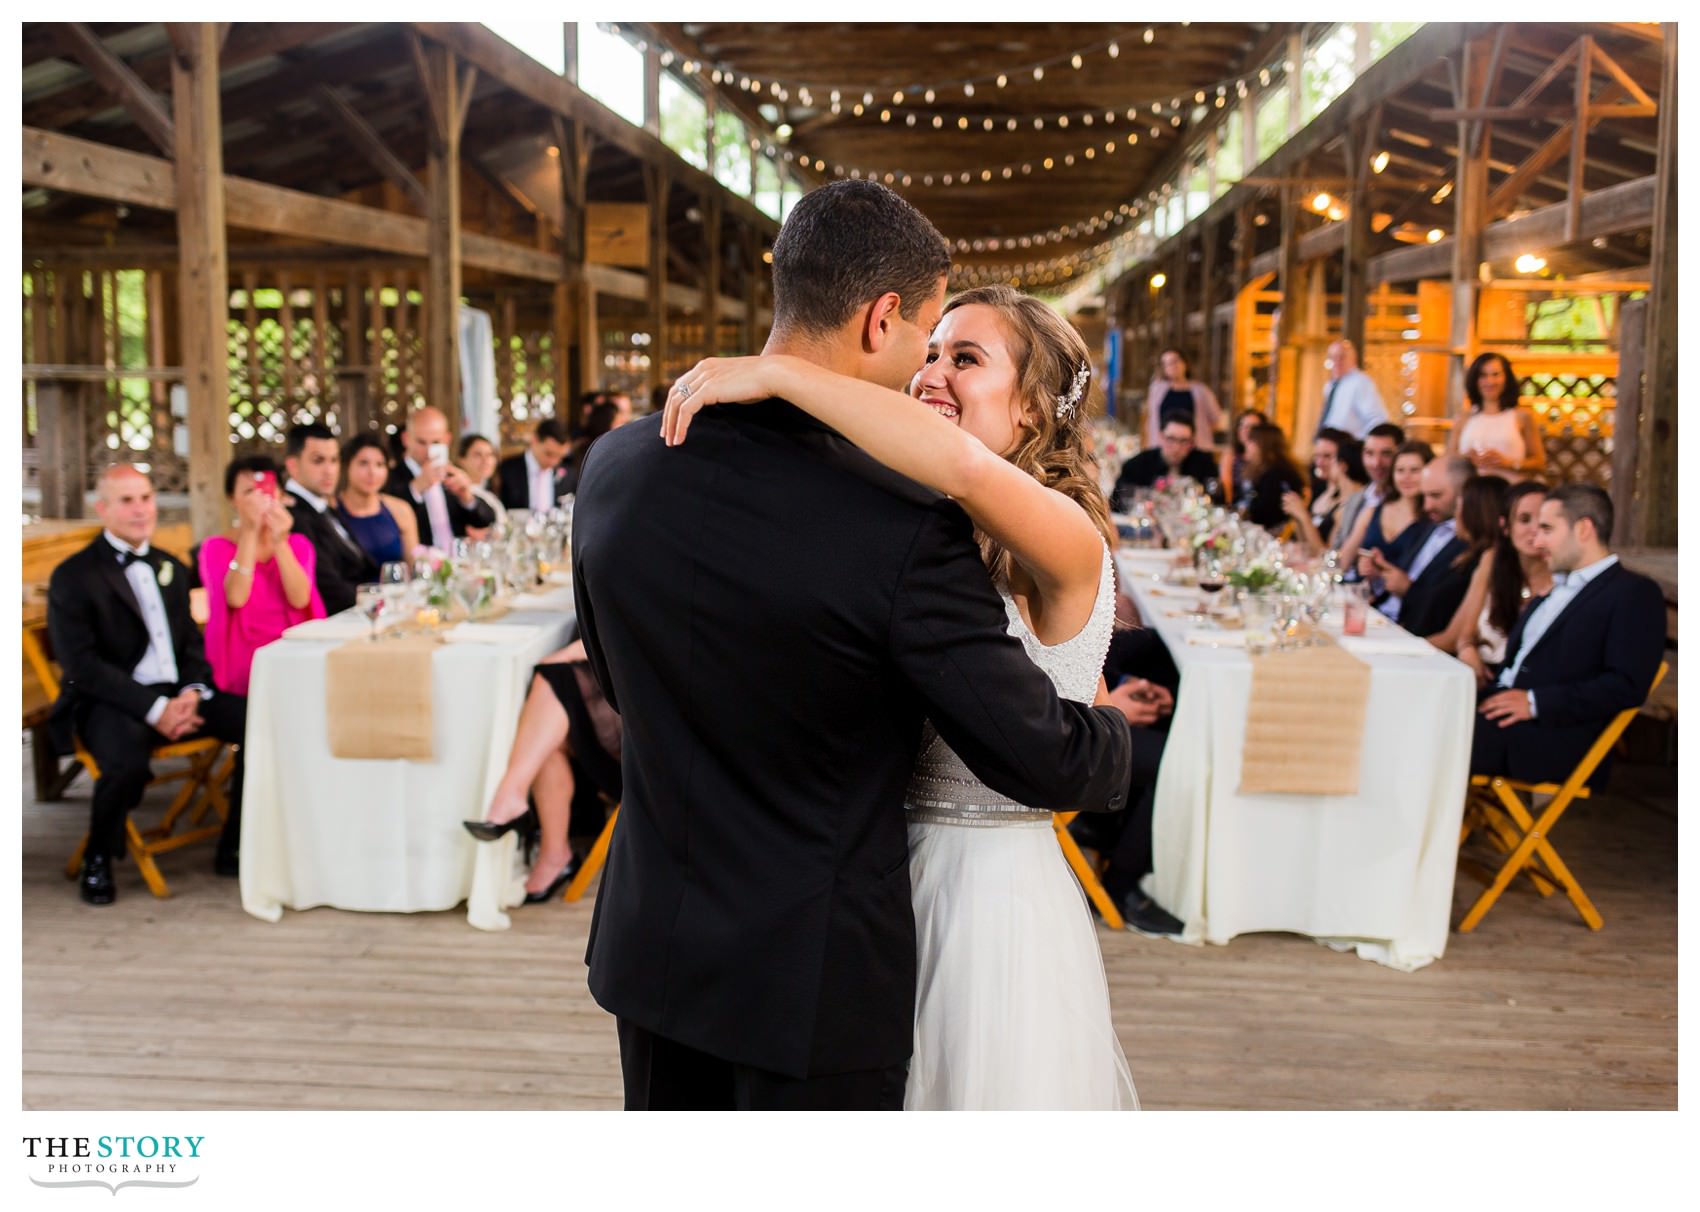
<point x="709" y="201"/>
<point x="657" y="189"/>
<point x="447" y="90"/>
<point x="1206" y="350"/>
<point x="1295" y="84"/>
<point x="203" y="269"/>
<point x="569" y="51"/>
<point x="652" y="89"/>
<point x="1579" y="138"/>
<point x="1470" y="208"/>
<point x="1354" y="268"/>
<point x="1653" y="519"/>
<point x="753" y="276"/>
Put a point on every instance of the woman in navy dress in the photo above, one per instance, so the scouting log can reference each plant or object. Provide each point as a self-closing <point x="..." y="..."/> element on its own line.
<point x="382" y="525"/>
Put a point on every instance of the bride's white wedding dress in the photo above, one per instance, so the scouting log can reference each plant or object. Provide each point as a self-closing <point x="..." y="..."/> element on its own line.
<point x="1012" y="1009"/>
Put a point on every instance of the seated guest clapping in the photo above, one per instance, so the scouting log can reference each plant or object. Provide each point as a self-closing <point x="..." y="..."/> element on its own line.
<point x="1578" y="656"/>
<point x="340" y="564"/>
<point x="1423" y="598"/>
<point x="1340" y="469"/>
<point x="534" y="478"/>
<point x="568" y="736"/>
<point x="1511" y="572"/>
<point x="135" y="673"/>
<point x="258" y="576"/>
<point x="383" y="526"/>
<point x="1174" y="456"/>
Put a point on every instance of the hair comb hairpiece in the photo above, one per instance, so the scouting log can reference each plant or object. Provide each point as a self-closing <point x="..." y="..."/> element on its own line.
<point x="1066" y="404"/>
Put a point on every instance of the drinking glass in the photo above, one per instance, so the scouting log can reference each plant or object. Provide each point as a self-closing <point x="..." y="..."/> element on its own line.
<point x="370" y="601"/>
<point x="398" y="572"/>
<point x="469" y="591"/>
<point x="1212" y="579"/>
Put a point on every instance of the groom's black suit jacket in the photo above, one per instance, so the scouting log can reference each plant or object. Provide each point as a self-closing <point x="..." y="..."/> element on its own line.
<point x="774" y="614"/>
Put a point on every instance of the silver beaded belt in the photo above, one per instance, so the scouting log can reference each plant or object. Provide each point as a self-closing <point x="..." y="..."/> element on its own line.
<point x="942" y="812"/>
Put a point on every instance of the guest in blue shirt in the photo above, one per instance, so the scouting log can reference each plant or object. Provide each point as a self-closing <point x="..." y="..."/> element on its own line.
<point x="383" y="526"/>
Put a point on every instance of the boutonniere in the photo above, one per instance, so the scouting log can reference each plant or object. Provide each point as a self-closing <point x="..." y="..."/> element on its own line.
<point x="164" y="574"/>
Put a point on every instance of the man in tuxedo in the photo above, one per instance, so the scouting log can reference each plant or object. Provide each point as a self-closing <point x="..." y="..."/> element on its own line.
<point x="340" y="564"/>
<point x="1576" y="657"/>
<point x="775" y="615"/>
<point x="441" y="494"/>
<point x="1424" y="598"/>
<point x="1175" y="455"/>
<point x="534" y="478"/>
<point x="135" y="674"/>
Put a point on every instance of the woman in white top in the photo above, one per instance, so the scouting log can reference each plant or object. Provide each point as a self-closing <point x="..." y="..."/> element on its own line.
<point x="1498" y="436"/>
<point x="1509" y="577"/>
<point x="1175" y="392"/>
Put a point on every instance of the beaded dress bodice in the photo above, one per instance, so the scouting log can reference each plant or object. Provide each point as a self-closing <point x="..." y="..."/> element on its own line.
<point x="943" y="790"/>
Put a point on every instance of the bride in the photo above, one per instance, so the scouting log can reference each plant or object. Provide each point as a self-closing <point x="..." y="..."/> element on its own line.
<point x="1012" y="1007"/>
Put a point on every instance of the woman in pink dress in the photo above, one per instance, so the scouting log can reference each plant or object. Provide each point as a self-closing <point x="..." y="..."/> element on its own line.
<point x="258" y="576"/>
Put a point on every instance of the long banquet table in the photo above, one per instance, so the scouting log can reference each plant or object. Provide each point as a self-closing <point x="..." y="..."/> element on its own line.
<point x="386" y="836"/>
<point x="1371" y="872"/>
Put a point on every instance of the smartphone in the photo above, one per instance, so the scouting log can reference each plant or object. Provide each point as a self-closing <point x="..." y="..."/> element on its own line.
<point x="439" y="454"/>
<point x="265" y="483"/>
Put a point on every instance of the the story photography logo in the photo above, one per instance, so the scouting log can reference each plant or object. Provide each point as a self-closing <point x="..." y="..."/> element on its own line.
<point x="113" y="1161"/>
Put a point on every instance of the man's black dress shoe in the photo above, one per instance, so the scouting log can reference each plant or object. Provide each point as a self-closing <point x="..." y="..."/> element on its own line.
<point x="227" y="865"/>
<point x="95" y="883"/>
<point x="1145" y="916"/>
<point x="561" y="881"/>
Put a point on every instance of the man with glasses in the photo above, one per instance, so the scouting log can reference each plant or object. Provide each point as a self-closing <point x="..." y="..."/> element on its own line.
<point x="1176" y="454"/>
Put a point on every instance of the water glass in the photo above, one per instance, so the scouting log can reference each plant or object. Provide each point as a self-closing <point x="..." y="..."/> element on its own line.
<point x="370" y="601"/>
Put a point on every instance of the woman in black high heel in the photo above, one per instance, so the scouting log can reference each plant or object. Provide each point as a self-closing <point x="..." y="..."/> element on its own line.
<point x="566" y="732"/>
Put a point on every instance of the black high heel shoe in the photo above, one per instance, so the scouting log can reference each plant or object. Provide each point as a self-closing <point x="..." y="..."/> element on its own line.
<point x="487" y="831"/>
<point x="560" y="882"/>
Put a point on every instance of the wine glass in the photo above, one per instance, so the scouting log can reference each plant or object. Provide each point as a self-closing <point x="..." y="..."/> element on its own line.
<point x="397" y="572"/>
<point x="1212" y="578"/>
<point x="468" y="587"/>
<point x="371" y="601"/>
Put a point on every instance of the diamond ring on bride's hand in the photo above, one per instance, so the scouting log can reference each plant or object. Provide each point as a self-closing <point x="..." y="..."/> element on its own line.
<point x="683" y="388"/>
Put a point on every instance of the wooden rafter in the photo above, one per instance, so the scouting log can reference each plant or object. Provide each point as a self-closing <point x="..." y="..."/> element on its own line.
<point x="370" y="143"/>
<point x="117" y="78"/>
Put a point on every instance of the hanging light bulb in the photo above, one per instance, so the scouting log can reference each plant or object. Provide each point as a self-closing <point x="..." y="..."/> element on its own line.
<point x="938" y="121"/>
<point x="897" y="97"/>
<point x="1063" y="122"/>
<point x="1379" y="164"/>
<point x="968" y="89"/>
<point x="1149" y="34"/>
<point x="1115" y="50"/>
<point x="930" y="95"/>
<point x="1002" y="79"/>
<point x="1075" y="62"/>
<point x="1038" y="73"/>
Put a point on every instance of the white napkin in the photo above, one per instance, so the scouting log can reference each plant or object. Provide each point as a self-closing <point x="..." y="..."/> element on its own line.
<point x="554" y="599"/>
<point x="562" y="577"/>
<point x="344" y="626"/>
<point x="1395" y="643"/>
<point x="488" y="633"/>
<point x="1217" y="639"/>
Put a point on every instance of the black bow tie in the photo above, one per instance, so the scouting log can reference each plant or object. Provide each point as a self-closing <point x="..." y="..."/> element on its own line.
<point x="126" y="558"/>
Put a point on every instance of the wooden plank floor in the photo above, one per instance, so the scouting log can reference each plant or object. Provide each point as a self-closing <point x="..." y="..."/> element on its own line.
<point x="190" y="1003"/>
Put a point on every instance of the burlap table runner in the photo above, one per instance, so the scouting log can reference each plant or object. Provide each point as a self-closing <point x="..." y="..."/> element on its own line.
<point x="1304" y="725"/>
<point x="378" y="699"/>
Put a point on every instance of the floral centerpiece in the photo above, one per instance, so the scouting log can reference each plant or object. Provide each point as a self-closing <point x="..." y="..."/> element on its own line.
<point x="438" y="576"/>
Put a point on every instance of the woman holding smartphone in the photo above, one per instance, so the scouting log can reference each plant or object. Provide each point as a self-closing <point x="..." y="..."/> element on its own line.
<point x="259" y="576"/>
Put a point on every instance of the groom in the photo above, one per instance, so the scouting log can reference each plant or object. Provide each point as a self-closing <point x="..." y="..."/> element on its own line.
<point x="773" y="614"/>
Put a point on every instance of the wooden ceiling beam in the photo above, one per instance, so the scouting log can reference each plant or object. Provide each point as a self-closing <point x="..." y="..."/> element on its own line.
<point x="116" y="78"/>
<point x="61" y="162"/>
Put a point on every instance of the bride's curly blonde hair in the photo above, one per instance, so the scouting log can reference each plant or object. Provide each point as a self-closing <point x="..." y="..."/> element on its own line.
<point x="1052" y="449"/>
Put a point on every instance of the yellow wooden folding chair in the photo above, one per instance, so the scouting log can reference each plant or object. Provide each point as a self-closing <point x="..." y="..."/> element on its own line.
<point x="594" y="860"/>
<point x="1495" y="808"/>
<point x="1083" y="870"/>
<point x="202" y="791"/>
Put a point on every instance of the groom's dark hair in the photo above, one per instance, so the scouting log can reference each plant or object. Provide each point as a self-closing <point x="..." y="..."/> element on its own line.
<point x="846" y="244"/>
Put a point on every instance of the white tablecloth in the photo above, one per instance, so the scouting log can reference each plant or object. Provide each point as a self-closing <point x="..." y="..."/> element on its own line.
<point x="1372" y="872"/>
<point x="386" y="835"/>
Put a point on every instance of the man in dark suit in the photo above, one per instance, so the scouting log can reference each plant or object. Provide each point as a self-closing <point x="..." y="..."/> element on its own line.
<point x="1578" y="656"/>
<point x="441" y="494"/>
<point x="135" y="674"/>
<point x="340" y="564"/>
<point x="774" y="614"/>
<point x="1176" y="455"/>
<point x="534" y="478"/>
<point x="1424" y="599"/>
